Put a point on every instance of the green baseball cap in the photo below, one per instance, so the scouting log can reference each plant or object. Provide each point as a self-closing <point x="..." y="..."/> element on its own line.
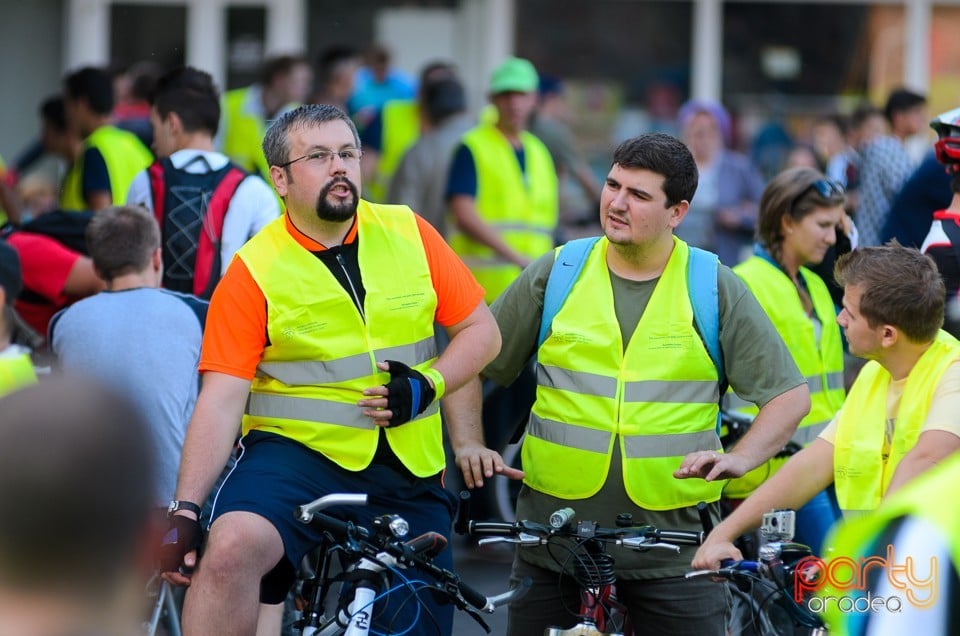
<point x="514" y="75"/>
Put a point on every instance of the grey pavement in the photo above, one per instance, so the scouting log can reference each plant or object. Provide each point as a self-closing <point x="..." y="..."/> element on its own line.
<point x="488" y="570"/>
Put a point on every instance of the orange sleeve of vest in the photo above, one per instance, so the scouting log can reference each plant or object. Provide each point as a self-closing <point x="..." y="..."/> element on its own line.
<point x="458" y="292"/>
<point x="236" y="330"/>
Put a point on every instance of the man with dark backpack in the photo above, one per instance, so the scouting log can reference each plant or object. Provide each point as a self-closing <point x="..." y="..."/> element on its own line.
<point x="206" y="206"/>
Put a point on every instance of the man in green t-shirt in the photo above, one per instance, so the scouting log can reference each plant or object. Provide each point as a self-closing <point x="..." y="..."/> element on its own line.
<point x="627" y="397"/>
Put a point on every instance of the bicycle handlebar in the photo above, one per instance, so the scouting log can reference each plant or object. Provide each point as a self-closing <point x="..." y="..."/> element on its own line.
<point x="417" y="552"/>
<point x="306" y="512"/>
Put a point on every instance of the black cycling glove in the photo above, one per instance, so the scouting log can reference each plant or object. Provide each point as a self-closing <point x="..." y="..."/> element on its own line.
<point x="409" y="394"/>
<point x="183" y="535"/>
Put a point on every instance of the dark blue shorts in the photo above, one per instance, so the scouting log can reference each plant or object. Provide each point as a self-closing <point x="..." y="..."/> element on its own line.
<point x="274" y="475"/>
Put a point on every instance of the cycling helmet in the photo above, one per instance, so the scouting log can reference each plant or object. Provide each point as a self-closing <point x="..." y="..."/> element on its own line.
<point x="947" y="127"/>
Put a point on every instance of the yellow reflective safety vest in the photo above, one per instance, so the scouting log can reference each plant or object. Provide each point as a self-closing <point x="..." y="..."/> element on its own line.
<point x="820" y="363"/>
<point x="922" y="499"/>
<point x="659" y="397"/>
<point x="243" y="133"/>
<point x="522" y="207"/>
<point x="322" y="352"/>
<point x="860" y="474"/>
<point x="400" y="126"/>
<point x="71" y="190"/>
<point x="16" y="370"/>
<point x="123" y="153"/>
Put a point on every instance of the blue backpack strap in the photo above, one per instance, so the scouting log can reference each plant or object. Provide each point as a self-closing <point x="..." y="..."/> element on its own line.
<point x="564" y="273"/>
<point x="705" y="299"/>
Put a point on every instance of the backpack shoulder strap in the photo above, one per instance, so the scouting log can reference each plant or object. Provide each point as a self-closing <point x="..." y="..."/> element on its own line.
<point x="705" y="299"/>
<point x="207" y="266"/>
<point x="564" y="273"/>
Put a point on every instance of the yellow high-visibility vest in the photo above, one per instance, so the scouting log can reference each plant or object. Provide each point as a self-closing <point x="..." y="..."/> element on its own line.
<point x="322" y="352"/>
<point x="659" y="397"/>
<point x="522" y="207"/>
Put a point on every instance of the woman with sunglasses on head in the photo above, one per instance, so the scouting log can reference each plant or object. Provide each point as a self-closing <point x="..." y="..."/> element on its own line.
<point x="800" y="211"/>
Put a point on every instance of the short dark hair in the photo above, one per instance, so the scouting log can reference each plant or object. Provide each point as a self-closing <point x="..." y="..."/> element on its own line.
<point x="280" y="65"/>
<point x="192" y="95"/>
<point x="121" y="240"/>
<point x="901" y="287"/>
<point x="53" y="112"/>
<point x="276" y="144"/>
<point x="862" y="113"/>
<point x="443" y="98"/>
<point x="790" y="193"/>
<point x="664" y="155"/>
<point x="93" y="85"/>
<point x="836" y="120"/>
<point x="901" y="100"/>
<point x="76" y="488"/>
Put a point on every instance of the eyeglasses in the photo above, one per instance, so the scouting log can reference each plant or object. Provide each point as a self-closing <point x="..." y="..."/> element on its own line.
<point x="826" y="188"/>
<point x="322" y="157"/>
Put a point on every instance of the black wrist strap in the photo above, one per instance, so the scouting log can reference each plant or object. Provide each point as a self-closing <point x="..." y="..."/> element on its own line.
<point x="178" y="504"/>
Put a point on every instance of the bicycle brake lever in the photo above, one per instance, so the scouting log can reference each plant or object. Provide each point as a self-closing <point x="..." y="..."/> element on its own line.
<point x="698" y="573"/>
<point x="521" y="539"/>
<point x="475" y="615"/>
<point x="644" y="543"/>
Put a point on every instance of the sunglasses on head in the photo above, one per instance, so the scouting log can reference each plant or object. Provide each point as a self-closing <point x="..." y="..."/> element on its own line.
<point x="826" y="188"/>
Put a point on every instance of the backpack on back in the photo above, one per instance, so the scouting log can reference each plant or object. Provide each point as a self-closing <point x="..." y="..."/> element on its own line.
<point x="190" y="209"/>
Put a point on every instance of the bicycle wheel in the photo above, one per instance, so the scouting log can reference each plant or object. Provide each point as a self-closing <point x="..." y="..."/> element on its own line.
<point x="506" y="490"/>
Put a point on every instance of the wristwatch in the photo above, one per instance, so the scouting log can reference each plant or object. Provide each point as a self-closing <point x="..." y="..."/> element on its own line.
<point x="177" y="504"/>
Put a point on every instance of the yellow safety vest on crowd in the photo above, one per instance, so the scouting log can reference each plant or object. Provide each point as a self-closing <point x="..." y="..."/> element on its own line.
<point x="71" y="190"/>
<point x="860" y="475"/>
<point x="923" y="499"/>
<point x="124" y="155"/>
<point x="400" y="128"/>
<point x="16" y="372"/>
<point x="322" y="352"/>
<point x="243" y="133"/>
<point x="660" y="396"/>
<point x="522" y="207"/>
<point x="820" y="363"/>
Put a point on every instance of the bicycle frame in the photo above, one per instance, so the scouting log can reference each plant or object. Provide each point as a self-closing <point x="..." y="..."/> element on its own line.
<point x="164" y="606"/>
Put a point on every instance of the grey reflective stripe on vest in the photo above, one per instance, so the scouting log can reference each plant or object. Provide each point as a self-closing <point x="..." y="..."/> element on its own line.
<point x="806" y="434"/>
<point x="289" y="407"/>
<point x="672" y="391"/>
<point x="834" y="382"/>
<point x="676" y="445"/>
<point x="579" y="437"/>
<point x="349" y="368"/>
<point x="577" y="381"/>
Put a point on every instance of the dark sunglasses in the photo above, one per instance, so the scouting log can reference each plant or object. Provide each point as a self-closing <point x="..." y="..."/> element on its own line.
<point x="826" y="188"/>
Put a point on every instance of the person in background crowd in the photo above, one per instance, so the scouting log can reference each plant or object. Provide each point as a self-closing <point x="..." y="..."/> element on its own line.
<point x="16" y="368"/>
<point x="502" y="188"/>
<point x="393" y="129"/>
<point x="421" y="178"/>
<point x="800" y="211"/>
<point x="334" y="74"/>
<point x="377" y="82"/>
<point x="159" y="363"/>
<point x="285" y="82"/>
<point x="73" y="450"/>
<point x="111" y="156"/>
<point x="906" y="112"/>
<point x="133" y="90"/>
<point x="723" y="216"/>
<point x="550" y="124"/>
<point x="207" y="206"/>
<point x="884" y="166"/>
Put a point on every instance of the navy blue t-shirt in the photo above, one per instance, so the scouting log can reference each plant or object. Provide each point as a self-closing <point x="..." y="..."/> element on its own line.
<point x="463" y="172"/>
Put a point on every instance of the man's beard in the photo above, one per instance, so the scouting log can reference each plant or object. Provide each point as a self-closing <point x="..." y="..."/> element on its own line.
<point x="343" y="211"/>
